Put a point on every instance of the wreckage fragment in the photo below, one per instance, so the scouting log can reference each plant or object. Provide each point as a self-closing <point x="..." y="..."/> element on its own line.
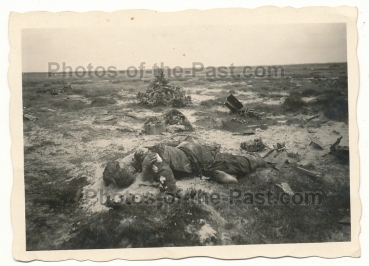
<point x="172" y="121"/>
<point x="269" y="152"/>
<point x="233" y="104"/>
<point x="175" y="117"/>
<point x="316" y="142"/>
<point x="236" y="106"/>
<point x="250" y="113"/>
<point x="154" y="126"/>
<point x="278" y="157"/>
<point x="280" y="146"/>
<point x="245" y="133"/>
<point x="286" y="188"/>
<point x="30" y="117"/>
<point x="239" y="120"/>
<point x="311" y="118"/>
<point x="345" y="220"/>
<point x="282" y="158"/>
<point x="310" y="173"/>
<point x="340" y="151"/>
<point x="334" y="145"/>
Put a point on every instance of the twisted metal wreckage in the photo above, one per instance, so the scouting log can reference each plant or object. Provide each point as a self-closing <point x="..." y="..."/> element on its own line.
<point x="159" y="92"/>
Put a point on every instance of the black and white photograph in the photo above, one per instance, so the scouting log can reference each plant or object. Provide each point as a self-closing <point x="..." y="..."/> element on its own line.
<point x="186" y="135"/>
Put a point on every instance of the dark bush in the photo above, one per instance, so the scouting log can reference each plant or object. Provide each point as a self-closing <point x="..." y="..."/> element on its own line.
<point x="70" y="105"/>
<point x="338" y="110"/>
<point x="309" y="92"/>
<point x="213" y="102"/>
<point x="293" y="102"/>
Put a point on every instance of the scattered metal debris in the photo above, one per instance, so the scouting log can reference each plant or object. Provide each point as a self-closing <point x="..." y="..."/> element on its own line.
<point x="340" y="151"/>
<point x="245" y="133"/>
<point x="176" y="118"/>
<point x="278" y="157"/>
<point x="280" y="146"/>
<point x="316" y="142"/>
<point x="233" y="104"/>
<point x="294" y="154"/>
<point x="309" y="172"/>
<point x="345" y="220"/>
<point x="154" y="126"/>
<point x="67" y="86"/>
<point x="175" y="128"/>
<point x="108" y="118"/>
<point x="269" y="152"/>
<point x="279" y="234"/>
<point x="311" y="118"/>
<point x="30" y="117"/>
<point x="239" y="120"/>
<point x="130" y="115"/>
<point x="236" y="106"/>
<point x="172" y="121"/>
<point x="250" y="113"/>
<point x="282" y="158"/>
<point x="286" y="188"/>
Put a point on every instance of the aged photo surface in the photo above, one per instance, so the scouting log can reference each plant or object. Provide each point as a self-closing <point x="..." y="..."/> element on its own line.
<point x="185" y="135"/>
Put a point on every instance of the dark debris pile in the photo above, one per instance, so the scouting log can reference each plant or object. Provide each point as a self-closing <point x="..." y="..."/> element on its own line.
<point x="160" y="93"/>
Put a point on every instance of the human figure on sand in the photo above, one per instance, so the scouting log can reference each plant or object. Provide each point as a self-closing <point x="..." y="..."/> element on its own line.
<point x="161" y="163"/>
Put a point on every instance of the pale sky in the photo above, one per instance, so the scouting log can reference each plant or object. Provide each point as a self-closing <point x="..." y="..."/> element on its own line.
<point x="182" y="45"/>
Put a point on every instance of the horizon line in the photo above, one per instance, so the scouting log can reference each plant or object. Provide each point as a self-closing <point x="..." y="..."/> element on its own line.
<point x="148" y="69"/>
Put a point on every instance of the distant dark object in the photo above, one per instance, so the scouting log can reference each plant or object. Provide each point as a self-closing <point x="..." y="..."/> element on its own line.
<point x="67" y="86"/>
<point x="54" y="92"/>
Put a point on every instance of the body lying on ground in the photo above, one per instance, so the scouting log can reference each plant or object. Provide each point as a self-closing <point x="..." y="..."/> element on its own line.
<point x="189" y="158"/>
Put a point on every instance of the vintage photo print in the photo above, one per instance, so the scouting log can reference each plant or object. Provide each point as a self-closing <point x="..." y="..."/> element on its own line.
<point x="224" y="133"/>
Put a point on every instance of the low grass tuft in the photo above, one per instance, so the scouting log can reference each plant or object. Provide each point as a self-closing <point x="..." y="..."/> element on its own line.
<point x="102" y="101"/>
